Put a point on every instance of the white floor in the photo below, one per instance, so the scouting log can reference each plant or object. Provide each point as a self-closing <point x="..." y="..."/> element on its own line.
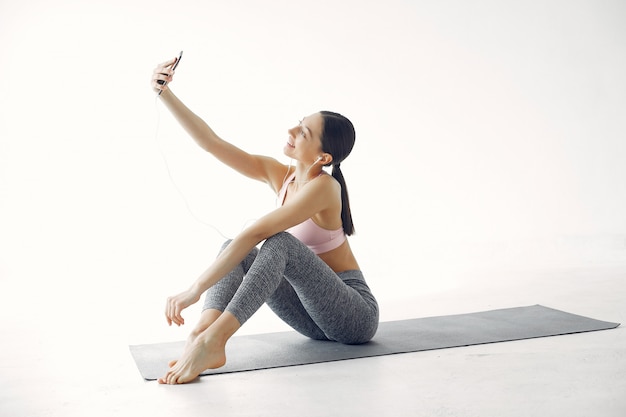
<point x="64" y="370"/>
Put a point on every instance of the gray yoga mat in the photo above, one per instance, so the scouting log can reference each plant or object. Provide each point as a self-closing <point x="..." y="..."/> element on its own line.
<point x="273" y="350"/>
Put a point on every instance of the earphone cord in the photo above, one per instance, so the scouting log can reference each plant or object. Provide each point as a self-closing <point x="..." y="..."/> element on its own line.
<point x="169" y="174"/>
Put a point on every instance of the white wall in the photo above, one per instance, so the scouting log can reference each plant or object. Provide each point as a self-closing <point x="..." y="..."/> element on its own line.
<point x="488" y="132"/>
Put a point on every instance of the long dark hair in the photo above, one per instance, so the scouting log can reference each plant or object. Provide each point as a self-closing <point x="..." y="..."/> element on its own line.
<point x="338" y="138"/>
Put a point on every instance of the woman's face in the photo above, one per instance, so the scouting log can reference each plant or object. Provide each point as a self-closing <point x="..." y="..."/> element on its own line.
<point x="304" y="143"/>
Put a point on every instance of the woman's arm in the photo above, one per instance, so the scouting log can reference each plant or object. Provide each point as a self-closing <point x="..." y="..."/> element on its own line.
<point x="256" y="167"/>
<point x="319" y="195"/>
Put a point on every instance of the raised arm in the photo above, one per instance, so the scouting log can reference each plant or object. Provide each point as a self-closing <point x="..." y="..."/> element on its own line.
<point x="257" y="167"/>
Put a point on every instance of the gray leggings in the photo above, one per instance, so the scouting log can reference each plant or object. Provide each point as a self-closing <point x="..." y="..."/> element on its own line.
<point x="301" y="289"/>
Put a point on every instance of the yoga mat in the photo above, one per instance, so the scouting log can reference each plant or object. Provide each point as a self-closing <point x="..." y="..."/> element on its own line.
<point x="273" y="350"/>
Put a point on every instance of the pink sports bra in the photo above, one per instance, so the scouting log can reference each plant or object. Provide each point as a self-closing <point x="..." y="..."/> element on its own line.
<point x="318" y="239"/>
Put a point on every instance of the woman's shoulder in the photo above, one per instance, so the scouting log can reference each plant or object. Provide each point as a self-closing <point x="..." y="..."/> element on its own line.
<point x="328" y="180"/>
<point x="327" y="186"/>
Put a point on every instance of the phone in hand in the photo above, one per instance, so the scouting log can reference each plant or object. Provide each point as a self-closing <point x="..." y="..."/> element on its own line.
<point x="180" y="56"/>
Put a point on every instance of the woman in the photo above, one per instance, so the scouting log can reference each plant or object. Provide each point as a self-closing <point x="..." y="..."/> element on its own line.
<point x="305" y="270"/>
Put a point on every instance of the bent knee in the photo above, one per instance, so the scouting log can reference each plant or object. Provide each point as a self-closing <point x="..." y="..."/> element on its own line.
<point x="253" y="252"/>
<point x="280" y="237"/>
<point x="281" y="241"/>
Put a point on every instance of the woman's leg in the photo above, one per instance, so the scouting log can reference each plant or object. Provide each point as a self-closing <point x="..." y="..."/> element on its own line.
<point x="340" y="306"/>
<point x="218" y="296"/>
<point x="285" y="303"/>
<point x="343" y="308"/>
<point x="207" y="351"/>
<point x="204" y="349"/>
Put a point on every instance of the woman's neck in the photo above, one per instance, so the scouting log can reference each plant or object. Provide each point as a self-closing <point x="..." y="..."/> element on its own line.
<point x="306" y="173"/>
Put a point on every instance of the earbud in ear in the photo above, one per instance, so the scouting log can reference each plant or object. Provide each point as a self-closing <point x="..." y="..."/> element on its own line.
<point x="319" y="158"/>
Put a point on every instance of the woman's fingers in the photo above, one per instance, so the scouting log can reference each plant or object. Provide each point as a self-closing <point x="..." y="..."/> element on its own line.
<point x="168" y="316"/>
<point x="175" y="305"/>
<point x="159" y="81"/>
<point x="172" y="312"/>
<point x="163" y="74"/>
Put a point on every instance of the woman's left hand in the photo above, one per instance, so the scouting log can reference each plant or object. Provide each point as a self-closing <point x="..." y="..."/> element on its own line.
<point x="176" y="304"/>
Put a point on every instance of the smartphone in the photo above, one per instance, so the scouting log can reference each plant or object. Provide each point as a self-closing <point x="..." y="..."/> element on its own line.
<point x="180" y="56"/>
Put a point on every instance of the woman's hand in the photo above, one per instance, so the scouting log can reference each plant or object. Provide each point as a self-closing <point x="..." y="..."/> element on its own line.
<point x="164" y="73"/>
<point x="176" y="304"/>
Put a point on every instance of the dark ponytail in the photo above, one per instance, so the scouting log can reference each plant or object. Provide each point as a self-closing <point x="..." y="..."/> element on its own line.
<point x="338" y="138"/>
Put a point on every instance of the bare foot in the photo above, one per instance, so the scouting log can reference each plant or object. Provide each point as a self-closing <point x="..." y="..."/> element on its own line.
<point x="206" y="350"/>
<point x="199" y="356"/>
<point x="207" y="318"/>
<point x="188" y="345"/>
